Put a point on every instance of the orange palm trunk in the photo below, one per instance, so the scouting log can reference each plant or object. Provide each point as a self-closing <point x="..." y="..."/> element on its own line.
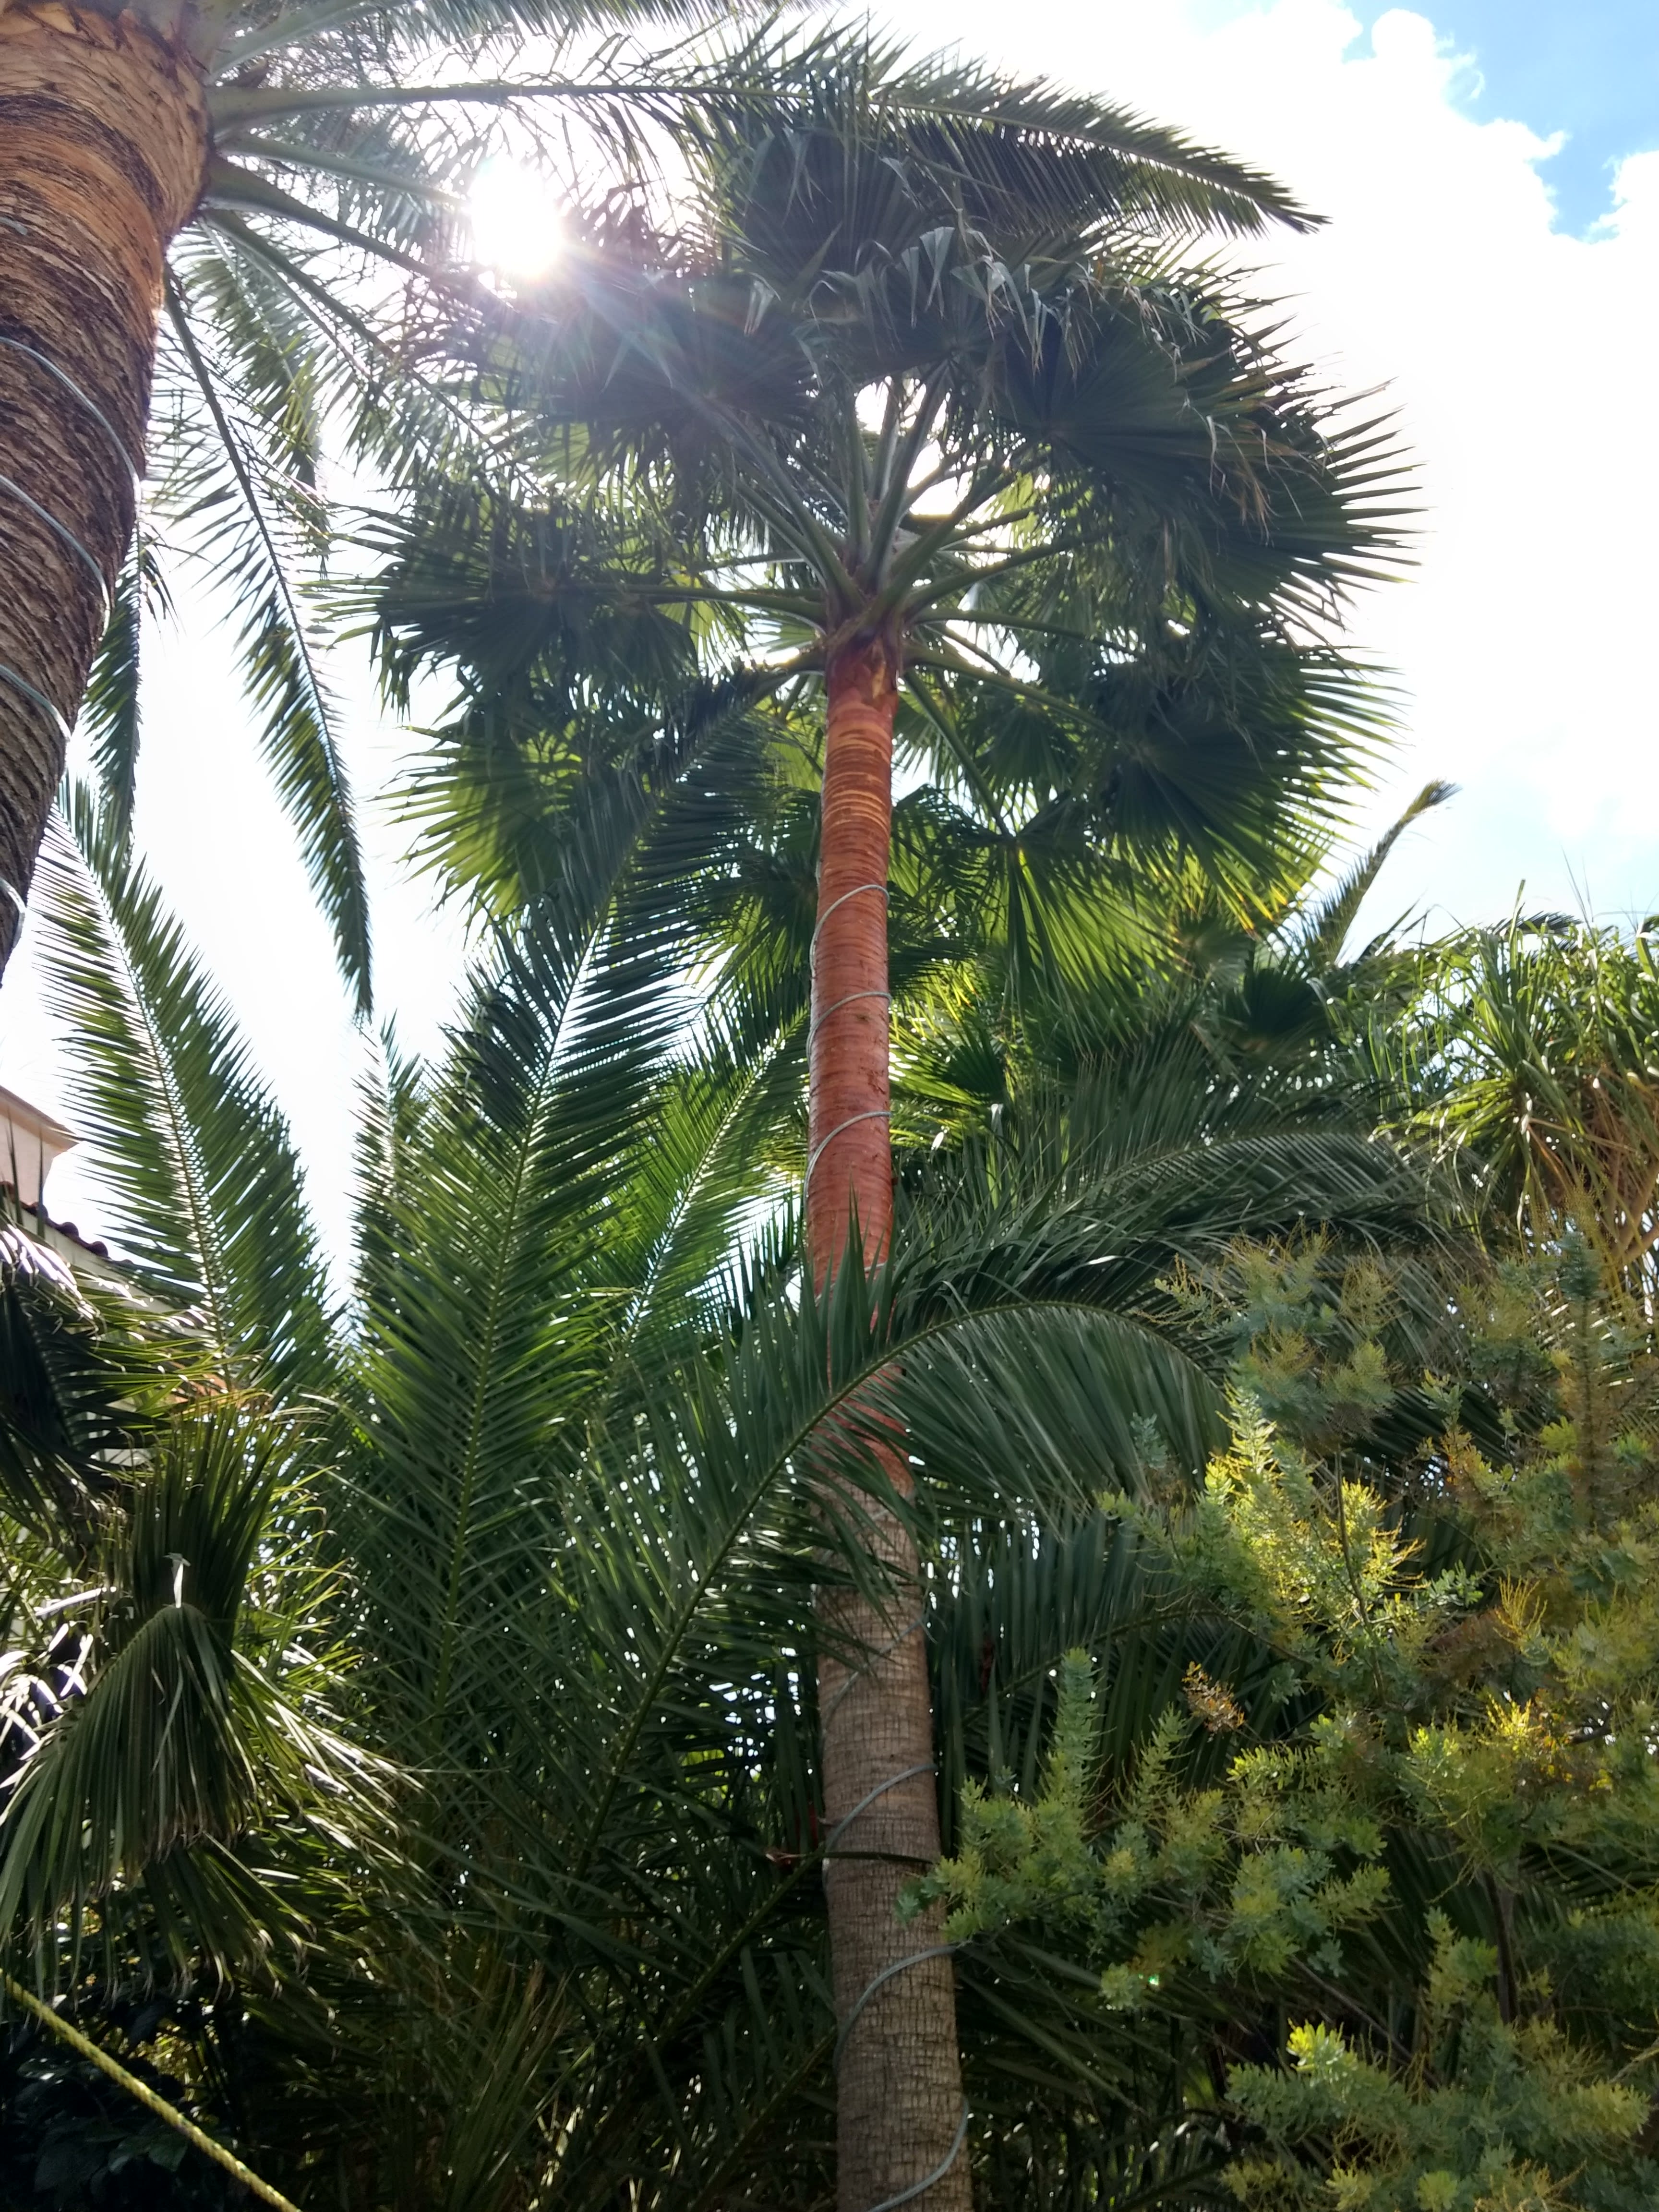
<point x="899" y="2102"/>
<point x="850" y="1154"/>
<point x="103" y="139"/>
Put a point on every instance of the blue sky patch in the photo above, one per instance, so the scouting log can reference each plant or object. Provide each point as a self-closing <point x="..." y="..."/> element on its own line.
<point x="1589" y="68"/>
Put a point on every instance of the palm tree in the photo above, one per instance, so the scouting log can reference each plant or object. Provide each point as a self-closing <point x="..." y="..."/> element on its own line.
<point x="203" y="204"/>
<point x="531" y="1529"/>
<point x="931" y="416"/>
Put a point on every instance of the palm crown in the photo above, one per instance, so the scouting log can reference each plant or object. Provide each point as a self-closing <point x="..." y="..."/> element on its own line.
<point x="944" y="383"/>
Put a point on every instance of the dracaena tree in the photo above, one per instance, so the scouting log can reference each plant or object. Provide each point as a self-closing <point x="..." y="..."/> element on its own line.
<point x="208" y="211"/>
<point x="945" y="423"/>
<point x="1530" y="1053"/>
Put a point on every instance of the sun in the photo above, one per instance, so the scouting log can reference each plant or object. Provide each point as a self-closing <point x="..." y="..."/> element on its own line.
<point x="516" y="219"/>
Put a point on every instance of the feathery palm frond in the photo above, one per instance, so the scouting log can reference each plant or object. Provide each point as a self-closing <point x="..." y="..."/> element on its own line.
<point x="79" y="1387"/>
<point x="578" y="1523"/>
<point x="242" y="512"/>
<point x="187" y="1711"/>
<point x="113" y="706"/>
<point x="208" y="1197"/>
<point x="1321" y="942"/>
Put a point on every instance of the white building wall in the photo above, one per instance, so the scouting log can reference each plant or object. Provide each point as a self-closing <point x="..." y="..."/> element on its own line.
<point x="29" y="1142"/>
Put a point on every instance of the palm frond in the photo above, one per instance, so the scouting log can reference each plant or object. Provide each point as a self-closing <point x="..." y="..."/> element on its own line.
<point x="111" y="709"/>
<point x="207" y="1194"/>
<point x="192" y="1721"/>
<point x="1320" y="944"/>
<point x="79" y="1386"/>
<point x="232" y="502"/>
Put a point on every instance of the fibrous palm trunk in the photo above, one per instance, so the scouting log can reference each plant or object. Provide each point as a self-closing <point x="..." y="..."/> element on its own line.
<point x="899" y="2111"/>
<point x="103" y="140"/>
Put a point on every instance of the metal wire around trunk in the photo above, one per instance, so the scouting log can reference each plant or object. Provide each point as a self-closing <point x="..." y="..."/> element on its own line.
<point x="904" y="2197"/>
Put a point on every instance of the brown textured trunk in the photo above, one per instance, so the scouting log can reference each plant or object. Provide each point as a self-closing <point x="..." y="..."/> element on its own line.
<point x="899" y="2089"/>
<point x="103" y="138"/>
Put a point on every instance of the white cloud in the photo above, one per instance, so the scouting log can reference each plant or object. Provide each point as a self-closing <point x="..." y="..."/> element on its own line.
<point x="1519" y="359"/>
<point x="1516" y="358"/>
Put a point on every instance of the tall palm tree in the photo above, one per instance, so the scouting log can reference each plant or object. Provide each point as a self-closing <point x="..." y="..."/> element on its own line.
<point x="542" y="1545"/>
<point x="930" y="415"/>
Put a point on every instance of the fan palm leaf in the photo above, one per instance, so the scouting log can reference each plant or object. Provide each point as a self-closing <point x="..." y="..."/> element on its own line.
<point x="295" y="169"/>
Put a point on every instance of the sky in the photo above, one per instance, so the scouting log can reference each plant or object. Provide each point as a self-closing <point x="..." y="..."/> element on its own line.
<point x="1490" y="173"/>
<point x="1586" y="71"/>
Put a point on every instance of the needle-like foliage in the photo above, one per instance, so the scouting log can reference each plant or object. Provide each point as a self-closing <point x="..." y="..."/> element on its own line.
<point x="1387" y="1862"/>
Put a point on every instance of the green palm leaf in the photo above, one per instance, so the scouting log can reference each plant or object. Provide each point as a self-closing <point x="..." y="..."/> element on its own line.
<point x="195" y="1721"/>
<point x="236" y="503"/>
<point x="206" y="1192"/>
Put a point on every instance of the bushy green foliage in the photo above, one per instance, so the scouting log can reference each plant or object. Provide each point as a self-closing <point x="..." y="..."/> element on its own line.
<point x="1529" y="1051"/>
<point x="1409" y="1898"/>
<point x="471" y="1618"/>
<point x="75" y="2142"/>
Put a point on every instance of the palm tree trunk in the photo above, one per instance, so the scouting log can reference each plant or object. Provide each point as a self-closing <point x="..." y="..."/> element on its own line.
<point x="899" y="2091"/>
<point x="103" y="140"/>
